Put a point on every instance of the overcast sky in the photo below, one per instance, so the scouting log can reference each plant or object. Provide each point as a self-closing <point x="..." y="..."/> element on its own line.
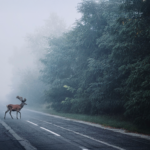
<point x="18" y="18"/>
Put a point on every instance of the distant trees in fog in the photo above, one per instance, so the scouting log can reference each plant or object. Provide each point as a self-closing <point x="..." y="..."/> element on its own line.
<point x="26" y="61"/>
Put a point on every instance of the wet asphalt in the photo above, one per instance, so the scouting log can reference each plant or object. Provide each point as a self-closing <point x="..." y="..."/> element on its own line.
<point x="46" y="132"/>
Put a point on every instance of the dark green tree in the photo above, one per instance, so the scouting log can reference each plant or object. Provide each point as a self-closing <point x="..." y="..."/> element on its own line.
<point x="102" y="64"/>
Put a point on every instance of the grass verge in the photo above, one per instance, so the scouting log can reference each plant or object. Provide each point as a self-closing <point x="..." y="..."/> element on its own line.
<point x="105" y="120"/>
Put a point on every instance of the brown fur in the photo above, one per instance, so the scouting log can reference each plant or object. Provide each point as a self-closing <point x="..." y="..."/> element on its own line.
<point x="16" y="107"/>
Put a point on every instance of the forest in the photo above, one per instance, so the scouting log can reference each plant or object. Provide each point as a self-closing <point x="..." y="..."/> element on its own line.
<point x="102" y="64"/>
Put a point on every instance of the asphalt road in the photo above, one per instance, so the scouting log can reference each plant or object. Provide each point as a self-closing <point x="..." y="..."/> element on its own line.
<point x="44" y="132"/>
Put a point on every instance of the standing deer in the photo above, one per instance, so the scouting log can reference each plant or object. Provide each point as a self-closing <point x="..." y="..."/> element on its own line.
<point x="16" y="108"/>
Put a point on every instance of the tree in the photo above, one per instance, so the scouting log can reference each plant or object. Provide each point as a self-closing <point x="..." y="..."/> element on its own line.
<point x="102" y="64"/>
<point x="132" y="56"/>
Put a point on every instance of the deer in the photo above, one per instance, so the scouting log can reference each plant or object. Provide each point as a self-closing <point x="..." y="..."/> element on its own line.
<point x="16" y="107"/>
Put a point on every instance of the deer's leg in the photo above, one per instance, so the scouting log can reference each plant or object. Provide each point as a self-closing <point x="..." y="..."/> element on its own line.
<point x="5" y="113"/>
<point x="20" y="114"/>
<point x="10" y="114"/>
<point x="17" y="114"/>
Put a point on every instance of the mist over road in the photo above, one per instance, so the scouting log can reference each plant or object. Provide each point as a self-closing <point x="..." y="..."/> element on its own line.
<point x="45" y="132"/>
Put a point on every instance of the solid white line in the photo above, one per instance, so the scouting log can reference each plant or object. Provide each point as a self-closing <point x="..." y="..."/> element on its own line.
<point x="92" y="138"/>
<point x="26" y="144"/>
<point x="119" y="148"/>
<point x="32" y="123"/>
<point x="50" y="131"/>
<point x="96" y="125"/>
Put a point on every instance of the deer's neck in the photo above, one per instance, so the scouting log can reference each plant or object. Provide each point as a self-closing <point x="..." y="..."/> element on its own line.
<point x="21" y="105"/>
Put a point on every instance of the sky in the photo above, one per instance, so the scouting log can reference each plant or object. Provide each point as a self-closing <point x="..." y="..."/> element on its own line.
<point x="18" y="18"/>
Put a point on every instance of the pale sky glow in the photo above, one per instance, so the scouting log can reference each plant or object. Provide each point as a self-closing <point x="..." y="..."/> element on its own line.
<point x="18" y="18"/>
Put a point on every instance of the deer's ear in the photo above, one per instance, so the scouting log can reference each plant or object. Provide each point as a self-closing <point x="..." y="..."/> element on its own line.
<point x="25" y="103"/>
<point x="25" y="99"/>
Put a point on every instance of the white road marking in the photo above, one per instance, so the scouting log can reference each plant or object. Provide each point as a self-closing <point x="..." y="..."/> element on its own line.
<point x="96" y="125"/>
<point x="105" y="143"/>
<point x="83" y="148"/>
<point x="26" y="144"/>
<point x="44" y="128"/>
<point x="32" y="123"/>
<point x="50" y="131"/>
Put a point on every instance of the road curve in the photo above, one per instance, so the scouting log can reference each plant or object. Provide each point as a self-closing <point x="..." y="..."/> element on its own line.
<point x="38" y="131"/>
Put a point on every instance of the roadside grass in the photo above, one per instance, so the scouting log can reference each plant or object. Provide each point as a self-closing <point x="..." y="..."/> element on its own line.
<point x="110" y="121"/>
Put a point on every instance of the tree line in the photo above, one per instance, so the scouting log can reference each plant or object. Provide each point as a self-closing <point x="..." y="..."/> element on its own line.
<point x="102" y="65"/>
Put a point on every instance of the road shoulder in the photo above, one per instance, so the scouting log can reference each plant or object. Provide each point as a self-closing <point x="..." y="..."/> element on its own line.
<point x="13" y="138"/>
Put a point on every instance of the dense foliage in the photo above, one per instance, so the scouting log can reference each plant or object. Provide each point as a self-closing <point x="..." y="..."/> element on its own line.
<point x="102" y="65"/>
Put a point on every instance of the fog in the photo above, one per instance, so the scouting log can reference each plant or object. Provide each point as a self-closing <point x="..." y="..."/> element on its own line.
<point x="96" y="65"/>
<point x="21" y="20"/>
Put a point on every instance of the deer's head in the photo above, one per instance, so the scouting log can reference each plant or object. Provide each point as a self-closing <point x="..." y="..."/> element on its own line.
<point x="21" y="99"/>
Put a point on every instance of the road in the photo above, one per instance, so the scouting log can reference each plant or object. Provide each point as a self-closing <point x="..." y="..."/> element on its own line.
<point x="38" y="131"/>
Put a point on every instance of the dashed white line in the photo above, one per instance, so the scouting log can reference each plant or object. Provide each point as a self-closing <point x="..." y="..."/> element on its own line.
<point x="105" y="143"/>
<point x="44" y="128"/>
<point x="32" y="123"/>
<point x="50" y="131"/>
<point x="95" y="125"/>
<point x="119" y="148"/>
<point x="83" y="148"/>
